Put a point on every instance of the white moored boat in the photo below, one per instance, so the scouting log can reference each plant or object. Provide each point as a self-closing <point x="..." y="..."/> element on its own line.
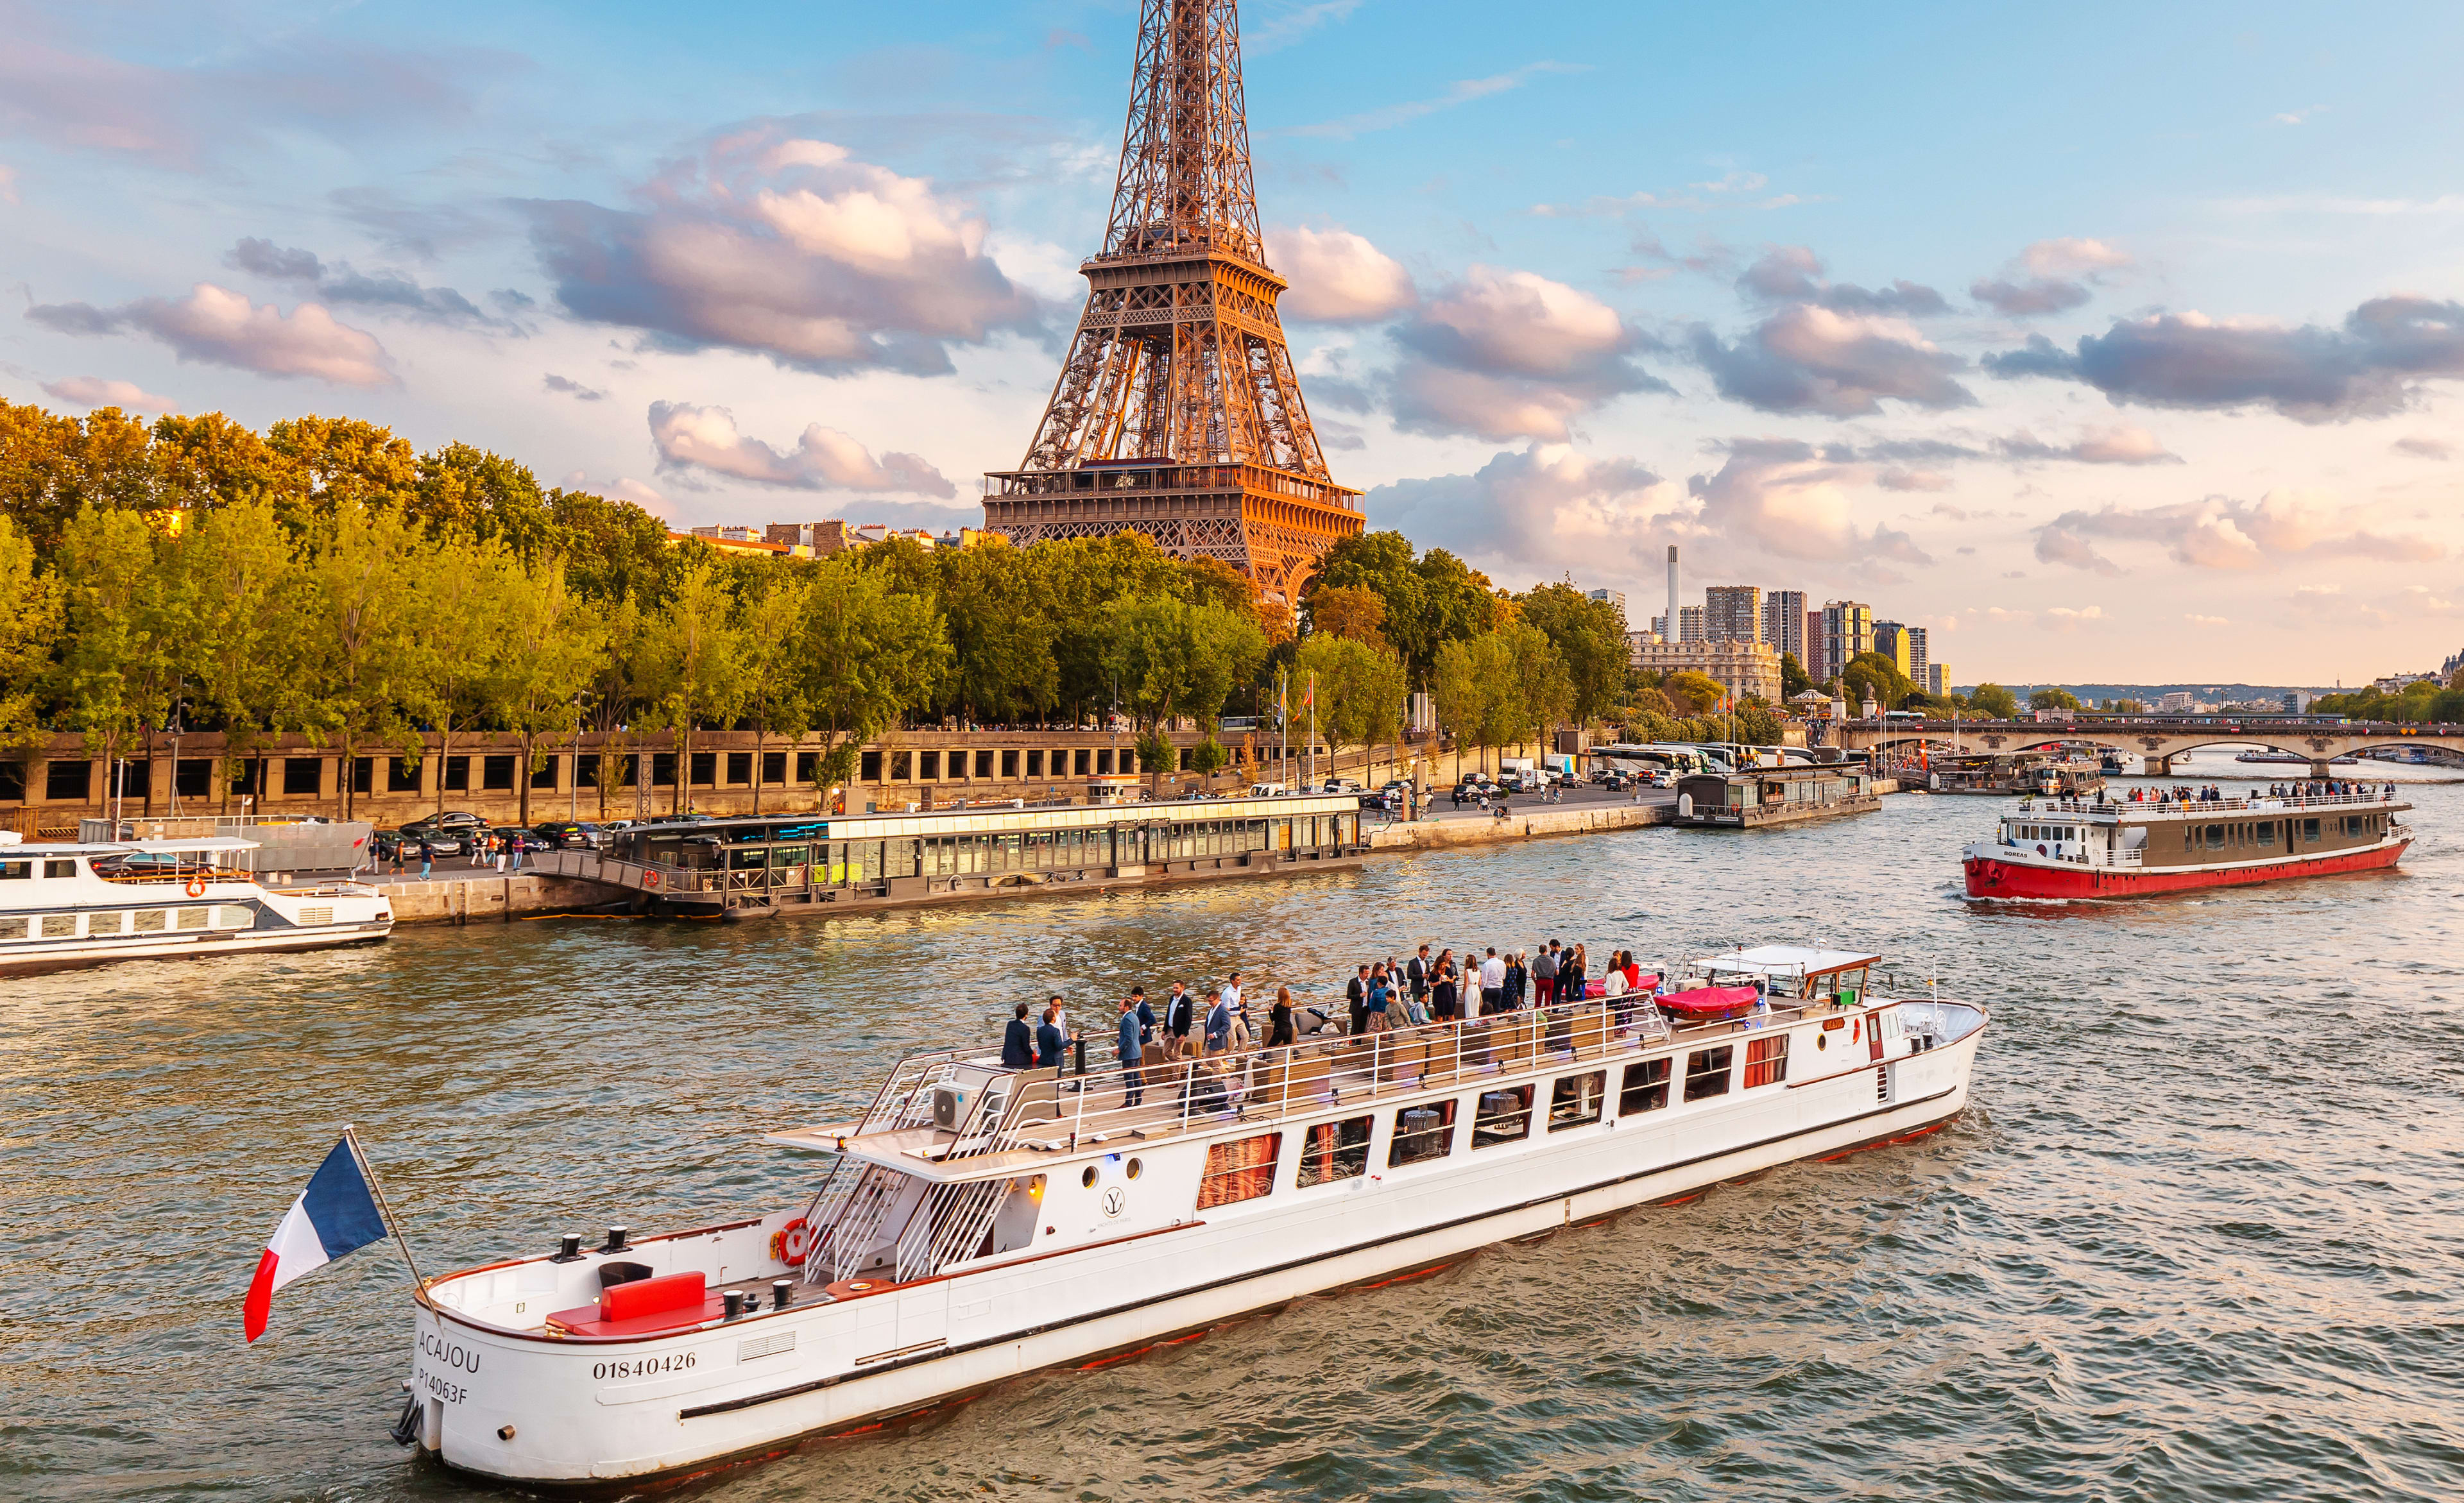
<point x="87" y="904"/>
<point x="982" y="1221"/>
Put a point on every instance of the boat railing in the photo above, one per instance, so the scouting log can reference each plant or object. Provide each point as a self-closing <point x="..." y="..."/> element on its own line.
<point x="1051" y="1109"/>
<point x="2192" y="808"/>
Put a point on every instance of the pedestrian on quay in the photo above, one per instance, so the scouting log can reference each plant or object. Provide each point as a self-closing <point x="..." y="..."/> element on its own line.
<point x="1018" y="1042"/>
<point x="1131" y="1045"/>
<point x="1492" y="983"/>
<point x="1544" y="974"/>
<point x="397" y="858"/>
<point x="426" y="858"/>
<point x="1279" y="1021"/>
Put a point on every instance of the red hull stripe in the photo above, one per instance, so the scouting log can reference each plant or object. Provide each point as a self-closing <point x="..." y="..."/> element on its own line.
<point x="1990" y="878"/>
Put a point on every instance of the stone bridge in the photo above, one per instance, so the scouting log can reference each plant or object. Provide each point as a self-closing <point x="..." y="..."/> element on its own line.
<point x="2157" y="738"/>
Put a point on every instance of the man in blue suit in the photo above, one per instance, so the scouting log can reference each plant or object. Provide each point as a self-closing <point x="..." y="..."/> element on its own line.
<point x="1132" y="1082"/>
<point x="1018" y="1042"/>
<point x="1049" y="1042"/>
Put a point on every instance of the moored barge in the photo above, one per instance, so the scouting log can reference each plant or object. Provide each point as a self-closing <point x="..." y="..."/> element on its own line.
<point x="1751" y="797"/>
<point x="2067" y="848"/>
<point x="980" y="1222"/>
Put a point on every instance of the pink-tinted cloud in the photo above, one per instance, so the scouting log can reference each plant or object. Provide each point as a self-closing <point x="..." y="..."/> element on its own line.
<point x="93" y="391"/>
<point x="216" y="326"/>
<point x="1337" y="276"/>
<point x="705" y="439"/>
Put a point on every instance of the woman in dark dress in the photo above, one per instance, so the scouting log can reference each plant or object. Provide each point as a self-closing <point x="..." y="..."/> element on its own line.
<point x="1280" y="1020"/>
<point x="1516" y="978"/>
<point x="1569" y="976"/>
<point x="1446" y="992"/>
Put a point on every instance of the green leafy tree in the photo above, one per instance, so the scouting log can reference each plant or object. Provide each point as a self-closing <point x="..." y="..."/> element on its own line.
<point x="1793" y="680"/>
<point x="553" y="643"/>
<point x="127" y="616"/>
<point x="465" y="589"/>
<point x="1870" y="675"/>
<point x="692" y="667"/>
<point x="252" y="599"/>
<point x="1359" y="690"/>
<point x="1501" y="687"/>
<point x="778" y="693"/>
<point x="1590" y="638"/>
<point x="1348" y="612"/>
<point x="1994" y="702"/>
<point x="2126" y="707"/>
<point x="363" y="658"/>
<point x="2053" y="699"/>
<point x="1207" y="757"/>
<point x="29" y="630"/>
<point x="871" y="656"/>
<point x="1755" y="724"/>
<point x="1002" y="637"/>
<point x="1173" y="658"/>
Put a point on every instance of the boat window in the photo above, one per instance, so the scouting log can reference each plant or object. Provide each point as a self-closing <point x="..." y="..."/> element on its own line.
<point x="2267" y="832"/>
<point x="1242" y="1169"/>
<point x="196" y="918"/>
<point x="60" y="925"/>
<point x="1645" y="1088"/>
<point x="1766" y="1061"/>
<point x="11" y="871"/>
<point x="1706" y="1072"/>
<point x="2215" y="838"/>
<point x="147" y="920"/>
<point x="1501" y="1116"/>
<point x="67" y="868"/>
<point x="1574" y="1101"/>
<point x="1426" y="1131"/>
<point x="1337" y="1150"/>
<point x="2310" y="832"/>
<point x="103" y="922"/>
<point x="13" y="929"/>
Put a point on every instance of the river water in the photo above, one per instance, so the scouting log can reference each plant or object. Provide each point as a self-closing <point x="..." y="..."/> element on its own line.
<point x="2199" y="1236"/>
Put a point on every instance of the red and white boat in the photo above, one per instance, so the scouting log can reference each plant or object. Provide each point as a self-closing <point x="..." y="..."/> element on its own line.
<point x="2135" y="847"/>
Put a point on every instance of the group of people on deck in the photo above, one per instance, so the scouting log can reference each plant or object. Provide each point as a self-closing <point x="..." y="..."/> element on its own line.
<point x="1381" y="997"/>
<point x="2311" y="788"/>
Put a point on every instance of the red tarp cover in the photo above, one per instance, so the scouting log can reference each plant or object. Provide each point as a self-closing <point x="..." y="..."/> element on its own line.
<point x="1709" y="1001"/>
<point x="650" y="1297"/>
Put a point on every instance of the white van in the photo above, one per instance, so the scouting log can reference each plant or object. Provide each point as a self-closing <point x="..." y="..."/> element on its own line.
<point x="1267" y="790"/>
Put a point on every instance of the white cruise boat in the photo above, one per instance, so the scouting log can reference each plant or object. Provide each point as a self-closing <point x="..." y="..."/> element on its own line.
<point x="980" y="1222"/>
<point x="86" y="905"/>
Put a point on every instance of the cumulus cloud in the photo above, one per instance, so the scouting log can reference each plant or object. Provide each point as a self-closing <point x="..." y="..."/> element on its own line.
<point x="1810" y="359"/>
<point x="2049" y="276"/>
<point x="2065" y="617"/>
<point x="1545" y="510"/>
<point x="93" y="391"/>
<point x="1788" y="499"/>
<point x="2422" y="446"/>
<point x="789" y="248"/>
<point x="1793" y="273"/>
<point x="1339" y="277"/>
<point x="386" y="292"/>
<point x="704" y="439"/>
<point x="216" y="326"/>
<point x="1504" y="355"/>
<point x="1901" y="479"/>
<point x="2366" y="368"/>
<point x="2123" y="445"/>
<point x="2221" y="532"/>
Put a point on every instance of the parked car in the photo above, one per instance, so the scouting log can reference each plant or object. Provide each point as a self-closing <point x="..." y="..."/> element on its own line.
<point x="455" y="821"/>
<point x="439" y="843"/>
<point x="1267" y="790"/>
<point x="570" y="835"/>
<point x="515" y="838"/>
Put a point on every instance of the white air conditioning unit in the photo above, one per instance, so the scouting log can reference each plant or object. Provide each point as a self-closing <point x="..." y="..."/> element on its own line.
<point x="950" y="1103"/>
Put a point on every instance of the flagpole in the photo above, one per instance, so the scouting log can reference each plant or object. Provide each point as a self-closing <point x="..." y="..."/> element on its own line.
<point x="351" y="1136"/>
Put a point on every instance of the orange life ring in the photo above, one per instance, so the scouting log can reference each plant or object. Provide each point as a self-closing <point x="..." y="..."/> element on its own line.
<point x="792" y="1243"/>
<point x="650" y="879"/>
<point x="196" y="887"/>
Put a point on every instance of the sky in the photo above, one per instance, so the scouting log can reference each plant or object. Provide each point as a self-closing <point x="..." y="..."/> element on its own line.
<point x="2105" y="341"/>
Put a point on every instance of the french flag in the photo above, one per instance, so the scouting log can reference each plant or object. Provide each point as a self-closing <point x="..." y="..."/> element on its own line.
<point x="337" y="1214"/>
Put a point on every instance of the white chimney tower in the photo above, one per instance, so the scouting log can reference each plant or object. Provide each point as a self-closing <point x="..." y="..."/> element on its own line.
<point x="1673" y="632"/>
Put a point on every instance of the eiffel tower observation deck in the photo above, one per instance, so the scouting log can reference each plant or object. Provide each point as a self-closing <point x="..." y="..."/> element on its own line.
<point x="1177" y="413"/>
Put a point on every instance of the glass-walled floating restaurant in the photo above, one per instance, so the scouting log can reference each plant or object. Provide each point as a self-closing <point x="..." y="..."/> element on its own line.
<point x="822" y="864"/>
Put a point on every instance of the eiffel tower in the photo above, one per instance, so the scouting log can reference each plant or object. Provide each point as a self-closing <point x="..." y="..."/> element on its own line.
<point x="1178" y="414"/>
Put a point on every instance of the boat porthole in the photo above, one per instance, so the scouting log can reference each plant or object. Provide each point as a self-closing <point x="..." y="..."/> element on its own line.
<point x="1087" y="1179"/>
<point x="1133" y="1168"/>
<point x="1821" y="1040"/>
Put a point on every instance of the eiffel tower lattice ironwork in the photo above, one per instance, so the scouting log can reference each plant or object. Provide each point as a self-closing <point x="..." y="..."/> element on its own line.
<point x="1177" y="413"/>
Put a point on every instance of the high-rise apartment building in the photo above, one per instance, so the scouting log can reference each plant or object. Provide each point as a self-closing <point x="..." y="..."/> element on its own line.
<point x="1732" y="613"/>
<point x="1919" y="659"/>
<point x="1784" y="622"/>
<point x="1616" y="598"/>
<point x="1690" y="625"/>
<point x="1891" y="640"/>
<point x="1937" y="679"/>
<point x="1847" y="630"/>
<point x="1814" y="667"/>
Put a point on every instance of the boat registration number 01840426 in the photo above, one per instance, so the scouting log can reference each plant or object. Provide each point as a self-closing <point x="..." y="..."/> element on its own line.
<point x="643" y="1367"/>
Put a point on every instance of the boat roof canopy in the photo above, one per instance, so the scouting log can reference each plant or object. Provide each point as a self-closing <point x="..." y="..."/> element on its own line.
<point x="1790" y="960"/>
<point x="133" y="847"/>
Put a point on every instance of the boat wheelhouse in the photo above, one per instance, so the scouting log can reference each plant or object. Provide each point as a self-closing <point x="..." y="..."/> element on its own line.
<point x="2001" y="774"/>
<point x="68" y="905"/>
<point x="829" y="863"/>
<point x="2132" y="847"/>
<point x="978" y="1221"/>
